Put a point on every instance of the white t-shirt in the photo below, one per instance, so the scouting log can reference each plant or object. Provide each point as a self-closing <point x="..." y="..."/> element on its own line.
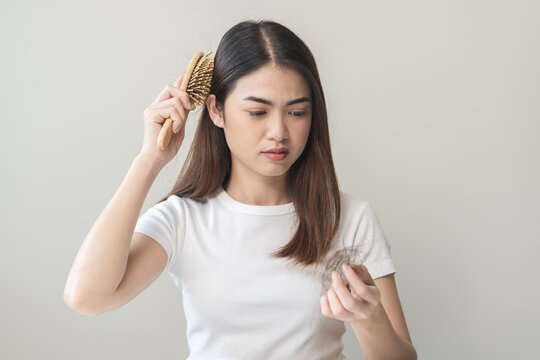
<point x="242" y="303"/>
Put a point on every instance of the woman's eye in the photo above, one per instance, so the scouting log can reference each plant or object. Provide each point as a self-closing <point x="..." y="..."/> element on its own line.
<point x="256" y="113"/>
<point x="299" y="113"/>
<point x="260" y="113"/>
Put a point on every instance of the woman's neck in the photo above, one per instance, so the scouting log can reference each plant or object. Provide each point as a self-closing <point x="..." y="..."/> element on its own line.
<point x="258" y="193"/>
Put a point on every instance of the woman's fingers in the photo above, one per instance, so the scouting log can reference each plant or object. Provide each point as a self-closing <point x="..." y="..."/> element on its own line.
<point x="174" y="90"/>
<point x="339" y="304"/>
<point x="169" y="92"/>
<point x="177" y="99"/>
<point x="359" y="286"/>
<point x="172" y="97"/>
<point x="325" y="305"/>
<point x="173" y="102"/>
<point x="165" y="113"/>
<point x="362" y="271"/>
<point x="347" y="299"/>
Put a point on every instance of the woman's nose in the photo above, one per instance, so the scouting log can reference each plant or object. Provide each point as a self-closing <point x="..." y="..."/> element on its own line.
<point x="277" y="127"/>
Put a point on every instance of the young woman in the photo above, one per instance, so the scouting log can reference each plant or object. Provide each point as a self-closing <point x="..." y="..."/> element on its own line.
<point x="256" y="225"/>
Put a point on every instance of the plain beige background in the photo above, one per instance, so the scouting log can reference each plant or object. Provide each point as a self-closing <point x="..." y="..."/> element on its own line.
<point x="434" y="117"/>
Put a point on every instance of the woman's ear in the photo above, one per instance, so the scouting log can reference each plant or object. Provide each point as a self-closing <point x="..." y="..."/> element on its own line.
<point x="213" y="111"/>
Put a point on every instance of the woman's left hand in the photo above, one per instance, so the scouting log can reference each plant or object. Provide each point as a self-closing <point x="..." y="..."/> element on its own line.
<point x="358" y="305"/>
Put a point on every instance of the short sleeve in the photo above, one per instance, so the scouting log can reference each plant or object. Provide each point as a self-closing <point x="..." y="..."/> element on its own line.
<point x="162" y="223"/>
<point x="374" y="249"/>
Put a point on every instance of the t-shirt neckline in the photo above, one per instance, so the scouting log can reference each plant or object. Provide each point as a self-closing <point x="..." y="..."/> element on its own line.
<point x="236" y="205"/>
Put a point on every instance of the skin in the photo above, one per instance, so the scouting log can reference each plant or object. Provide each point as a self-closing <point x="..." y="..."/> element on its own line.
<point x="256" y="179"/>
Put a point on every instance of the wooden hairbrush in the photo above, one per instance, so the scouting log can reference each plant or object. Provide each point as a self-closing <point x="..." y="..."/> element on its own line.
<point x="196" y="82"/>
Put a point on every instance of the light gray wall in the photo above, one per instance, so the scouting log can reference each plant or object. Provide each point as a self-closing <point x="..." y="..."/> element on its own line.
<point x="434" y="116"/>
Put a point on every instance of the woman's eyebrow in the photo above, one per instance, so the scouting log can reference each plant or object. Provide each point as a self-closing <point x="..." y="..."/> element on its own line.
<point x="268" y="102"/>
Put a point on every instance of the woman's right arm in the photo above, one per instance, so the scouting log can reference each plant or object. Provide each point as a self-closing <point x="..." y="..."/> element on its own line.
<point x="100" y="264"/>
<point x="113" y="264"/>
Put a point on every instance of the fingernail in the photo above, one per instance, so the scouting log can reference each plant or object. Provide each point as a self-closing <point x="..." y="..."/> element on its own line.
<point x="334" y="275"/>
<point x="345" y="267"/>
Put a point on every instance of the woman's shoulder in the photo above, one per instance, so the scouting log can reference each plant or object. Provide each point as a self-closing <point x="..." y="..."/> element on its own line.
<point x="185" y="203"/>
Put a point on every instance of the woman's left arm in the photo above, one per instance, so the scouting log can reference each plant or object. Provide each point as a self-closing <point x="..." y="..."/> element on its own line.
<point x="373" y="309"/>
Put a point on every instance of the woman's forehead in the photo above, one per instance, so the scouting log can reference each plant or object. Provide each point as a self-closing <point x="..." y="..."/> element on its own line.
<point x="277" y="85"/>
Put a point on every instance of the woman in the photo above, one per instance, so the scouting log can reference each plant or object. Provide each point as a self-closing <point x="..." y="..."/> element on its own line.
<point x="255" y="225"/>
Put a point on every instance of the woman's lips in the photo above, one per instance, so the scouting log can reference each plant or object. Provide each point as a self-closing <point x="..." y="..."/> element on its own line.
<point x="276" y="156"/>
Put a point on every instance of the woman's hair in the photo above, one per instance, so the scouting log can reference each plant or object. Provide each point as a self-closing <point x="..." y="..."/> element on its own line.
<point x="311" y="180"/>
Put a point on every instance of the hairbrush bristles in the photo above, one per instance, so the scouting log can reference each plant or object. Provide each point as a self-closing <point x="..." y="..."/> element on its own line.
<point x="200" y="80"/>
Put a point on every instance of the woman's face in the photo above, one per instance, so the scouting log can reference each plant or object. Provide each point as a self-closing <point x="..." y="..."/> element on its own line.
<point x="269" y="108"/>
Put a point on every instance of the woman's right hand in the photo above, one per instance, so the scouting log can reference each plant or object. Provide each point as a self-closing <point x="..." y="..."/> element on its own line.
<point x="172" y="103"/>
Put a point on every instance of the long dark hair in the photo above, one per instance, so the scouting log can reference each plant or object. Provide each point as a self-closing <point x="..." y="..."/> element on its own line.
<point x="311" y="180"/>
